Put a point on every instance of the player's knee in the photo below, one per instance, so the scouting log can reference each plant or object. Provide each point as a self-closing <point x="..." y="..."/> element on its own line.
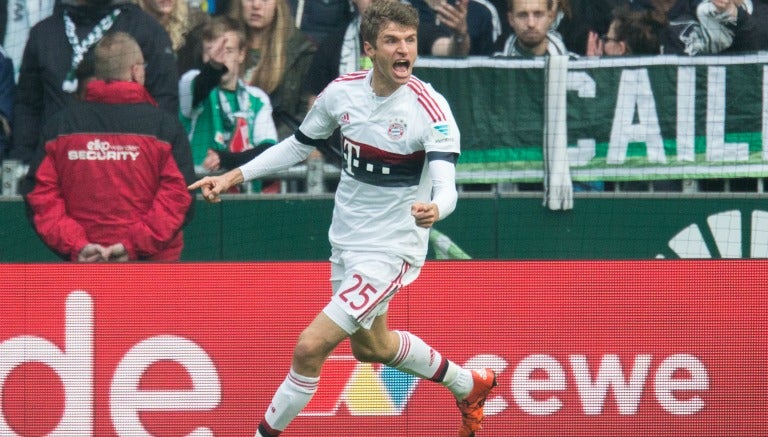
<point x="311" y="353"/>
<point x="367" y="354"/>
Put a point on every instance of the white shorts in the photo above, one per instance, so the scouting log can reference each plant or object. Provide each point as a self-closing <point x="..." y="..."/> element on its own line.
<point x="363" y="284"/>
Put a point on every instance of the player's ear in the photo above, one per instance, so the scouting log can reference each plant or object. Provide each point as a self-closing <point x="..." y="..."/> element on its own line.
<point x="369" y="49"/>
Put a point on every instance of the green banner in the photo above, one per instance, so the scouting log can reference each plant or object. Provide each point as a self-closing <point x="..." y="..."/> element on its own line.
<point x="628" y="118"/>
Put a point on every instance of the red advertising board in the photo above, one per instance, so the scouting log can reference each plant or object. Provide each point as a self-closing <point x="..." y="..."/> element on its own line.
<point x="581" y="348"/>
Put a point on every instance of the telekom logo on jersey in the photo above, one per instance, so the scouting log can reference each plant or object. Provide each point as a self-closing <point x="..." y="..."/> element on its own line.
<point x="531" y="376"/>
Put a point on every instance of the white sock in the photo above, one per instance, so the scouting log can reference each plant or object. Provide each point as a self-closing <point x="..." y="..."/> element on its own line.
<point x="458" y="380"/>
<point x="417" y="358"/>
<point x="290" y="398"/>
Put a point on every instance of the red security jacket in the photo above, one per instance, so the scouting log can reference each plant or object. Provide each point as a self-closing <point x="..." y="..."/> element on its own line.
<point x="111" y="174"/>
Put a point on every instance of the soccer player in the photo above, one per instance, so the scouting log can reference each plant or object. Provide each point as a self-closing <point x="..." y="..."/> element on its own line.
<point x="400" y="145"/>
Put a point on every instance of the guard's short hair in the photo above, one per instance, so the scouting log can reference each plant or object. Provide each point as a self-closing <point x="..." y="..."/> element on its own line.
<point x="114" y="56"/>
<point x="382" y="12"/>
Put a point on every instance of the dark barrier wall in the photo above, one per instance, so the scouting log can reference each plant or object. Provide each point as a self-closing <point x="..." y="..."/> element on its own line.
<point x="712" y="226"/>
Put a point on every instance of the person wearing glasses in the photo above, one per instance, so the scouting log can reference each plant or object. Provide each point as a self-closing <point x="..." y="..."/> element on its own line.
<point x="630" y="33"/>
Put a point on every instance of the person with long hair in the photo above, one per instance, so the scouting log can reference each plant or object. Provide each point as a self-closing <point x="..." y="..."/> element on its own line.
<point x="278" y="59"/>
<point x="175" y="16"/>
<point x="183" y="25"/>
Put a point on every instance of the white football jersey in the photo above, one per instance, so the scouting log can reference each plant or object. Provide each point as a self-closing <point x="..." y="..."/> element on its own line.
<point x="384" y="169"/>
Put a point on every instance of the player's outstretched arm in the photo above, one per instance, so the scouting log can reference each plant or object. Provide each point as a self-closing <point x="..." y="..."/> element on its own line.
<point x="213" y="186"/>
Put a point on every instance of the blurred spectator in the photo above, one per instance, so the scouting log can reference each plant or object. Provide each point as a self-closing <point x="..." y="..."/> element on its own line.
<point x="19" y="17"/>
<point x="319" y="18"/>
<point x="110" y="182"/>
<point x="457" y="27"/>
<point x="219" y="111"/>
<point x="7" y="89"/>
<point x="699" y="27"/>
<point x="502" y="8"/>
<point x="340" y="53"/>
<point x="685" y="35"/>
<point x="278" y="58"/>
<point x="531" y="22"/>
<point x="630" y="33"/>
<point x="47" y="80"/>
<point x="577" y="18"/>
<point x="178" y="19"/>
<point x="760" y="15"/>
<point x="729" y="25"/>
<point x="3" y="19"/>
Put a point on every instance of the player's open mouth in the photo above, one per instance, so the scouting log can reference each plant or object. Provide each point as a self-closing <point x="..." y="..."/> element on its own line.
<point x="402" y="66"/>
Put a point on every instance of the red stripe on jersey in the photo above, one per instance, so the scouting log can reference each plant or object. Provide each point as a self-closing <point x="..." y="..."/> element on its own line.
<point x="357" y="75"/>
<point x="426" y="100"/>
<point x="374" y="153"/>
<point x="391" y="289"/>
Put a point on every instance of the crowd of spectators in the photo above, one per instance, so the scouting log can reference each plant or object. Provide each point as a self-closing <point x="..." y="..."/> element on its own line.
<point x="293" y="48"/>
<point x="215" y="83"/>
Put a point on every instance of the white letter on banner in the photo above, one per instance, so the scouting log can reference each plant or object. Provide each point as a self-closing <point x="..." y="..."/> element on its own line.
<point x="717" y="149"/>
<point x="686" y="113"/>
<point x="74" y="366"/>
<point x="666" y="384"/>
<point x="635" y="92"/>
<point x="610" y="374"/>
<point x="126" y="400"/>
<point x="523" y="384"/>
<point x="585" y="87"/>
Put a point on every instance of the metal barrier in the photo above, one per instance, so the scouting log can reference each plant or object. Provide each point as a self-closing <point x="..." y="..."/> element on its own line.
<point x="11" y="172"/>
<point x="318" y="177"/>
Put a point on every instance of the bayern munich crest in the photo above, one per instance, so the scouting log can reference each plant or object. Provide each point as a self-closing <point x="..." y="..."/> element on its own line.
<point x="396" y="130"/>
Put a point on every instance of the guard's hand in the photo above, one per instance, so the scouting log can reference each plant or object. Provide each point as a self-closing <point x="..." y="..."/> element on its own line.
<point x="426" y="214"/>
<point x="93" y="253"/>
<point x="118" y="253"/>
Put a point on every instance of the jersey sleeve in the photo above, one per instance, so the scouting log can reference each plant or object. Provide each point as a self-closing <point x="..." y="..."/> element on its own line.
<point x="322" y="120"/>
<point x="443" y="133"/>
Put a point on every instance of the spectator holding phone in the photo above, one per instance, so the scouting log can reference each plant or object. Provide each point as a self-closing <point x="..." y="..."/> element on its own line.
<point x="457" y="27"/>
